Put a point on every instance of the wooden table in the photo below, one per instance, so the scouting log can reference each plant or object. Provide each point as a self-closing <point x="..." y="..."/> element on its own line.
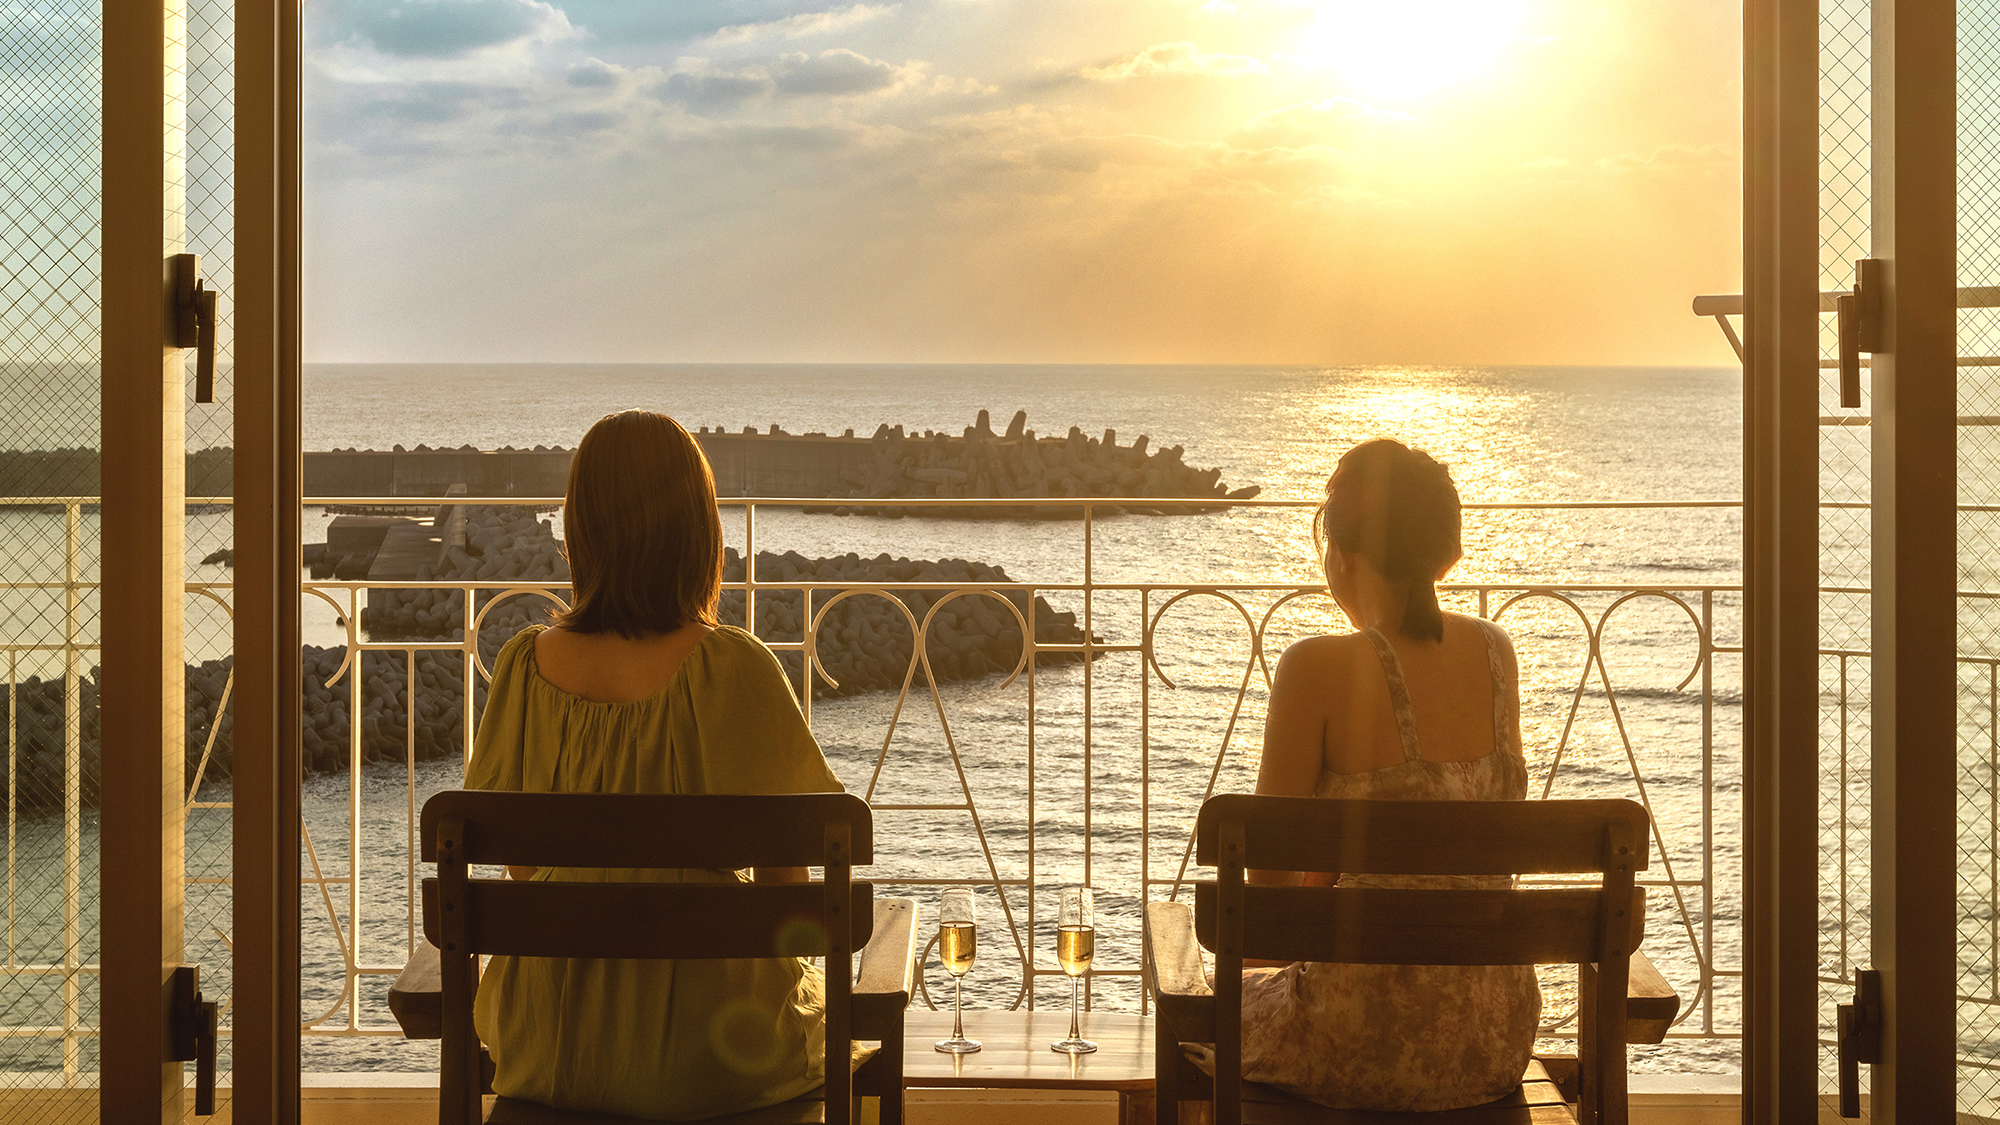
<point x="1016" y="1055"/>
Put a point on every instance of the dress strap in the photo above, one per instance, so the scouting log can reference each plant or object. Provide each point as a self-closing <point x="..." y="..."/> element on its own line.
<point x="1399" y="692"/>
<point x="1497" y="675"/>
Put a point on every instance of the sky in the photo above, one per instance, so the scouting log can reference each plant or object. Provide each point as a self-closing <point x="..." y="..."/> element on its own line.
<point x="1021" y="181"/>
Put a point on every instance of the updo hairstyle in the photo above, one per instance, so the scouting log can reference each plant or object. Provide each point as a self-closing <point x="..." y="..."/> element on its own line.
<point x="1397" y="508"/>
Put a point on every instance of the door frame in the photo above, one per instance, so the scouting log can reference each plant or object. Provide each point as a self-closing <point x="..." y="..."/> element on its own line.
<point x="1781" y="559"/>
<point x="143" y="494"/>
<point x="142" y="515"/>
<point x="268" y="474"/>
<point x="1914" y="554"/>
<point x="1914" y="616"/>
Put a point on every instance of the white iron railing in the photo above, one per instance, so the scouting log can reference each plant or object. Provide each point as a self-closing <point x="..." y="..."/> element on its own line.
<point x="1687" y="885"/>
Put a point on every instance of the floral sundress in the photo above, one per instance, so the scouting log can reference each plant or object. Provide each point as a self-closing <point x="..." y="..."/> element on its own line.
<point x="1403" y="1037"/>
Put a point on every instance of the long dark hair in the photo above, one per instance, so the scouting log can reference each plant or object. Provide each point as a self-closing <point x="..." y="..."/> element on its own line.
<point x="640" y="528"/>
<point x="1397" y="508"/>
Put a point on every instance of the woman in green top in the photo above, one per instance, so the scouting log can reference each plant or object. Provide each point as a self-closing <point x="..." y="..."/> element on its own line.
<point x="637" y="689"/>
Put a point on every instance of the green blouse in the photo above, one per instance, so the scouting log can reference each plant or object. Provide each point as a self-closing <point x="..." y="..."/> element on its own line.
<point x="668" y="1040"/>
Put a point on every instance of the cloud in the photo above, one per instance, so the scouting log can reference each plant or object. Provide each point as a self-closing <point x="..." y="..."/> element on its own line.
<point x="595" y="74"/>
<point x="802" y="24"/>
<point x="697" y="85"/>
<point x="585" y="121"/>
<point x="835" y="73"/>
<point x="423" y="103"/>
<point x="641" y="23"/>
<point x="445" y="29"/>
<point x="369" y="128"/>
<point x="1174" y="58"/>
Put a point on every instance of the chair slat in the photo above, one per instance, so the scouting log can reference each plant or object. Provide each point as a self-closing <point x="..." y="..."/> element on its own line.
<point x="647" y="829"/>
<point x="647" y="920"/>
<point x="1285" y="1113"/>
<point x="1420" y="837"/>
<point x="807" y="1110"/>
<point x="1378" y="926"/>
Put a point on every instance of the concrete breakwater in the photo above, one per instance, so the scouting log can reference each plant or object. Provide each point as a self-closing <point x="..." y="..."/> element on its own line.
<point x="980" y="464"/>
<point x="894" y="463"/>
<point x="74" y="472"/>
<point x="864" y="641"/>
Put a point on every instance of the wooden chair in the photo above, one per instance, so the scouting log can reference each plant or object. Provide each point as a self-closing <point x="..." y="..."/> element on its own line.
<point x="466" y="917"/>
<point x="1597" y="928"/>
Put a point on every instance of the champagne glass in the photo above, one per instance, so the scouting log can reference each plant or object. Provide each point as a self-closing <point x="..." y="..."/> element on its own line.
<point x="958" y="941"/>
<point x="1076" y="940"/>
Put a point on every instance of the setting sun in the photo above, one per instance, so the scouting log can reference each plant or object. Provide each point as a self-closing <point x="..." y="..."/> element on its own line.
<point x="1410" y="48"/>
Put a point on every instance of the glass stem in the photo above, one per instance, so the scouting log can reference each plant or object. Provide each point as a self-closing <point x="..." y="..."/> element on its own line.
<point x="957" y="994"/>
<point x="1075" y="1033"/>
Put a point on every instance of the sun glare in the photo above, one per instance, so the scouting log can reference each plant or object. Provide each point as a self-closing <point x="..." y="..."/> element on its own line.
<point x="1410" y="47"/>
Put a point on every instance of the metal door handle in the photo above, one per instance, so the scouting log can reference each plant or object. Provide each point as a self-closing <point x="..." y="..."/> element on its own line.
<point x="1858" y="1036"/>
<point x="194" y="1033"/>
<point x="194" y="322"/>
<point x="1858" y="322"/>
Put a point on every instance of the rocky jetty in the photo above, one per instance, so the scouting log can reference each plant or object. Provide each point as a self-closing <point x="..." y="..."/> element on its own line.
<point x="980" y="464"/>
<point x="864" y="641"/>
<point x="74" y="472"/>
<point x="38" y="749"/>
<point x="864" y="645"/>
<point x="896" y="463"/>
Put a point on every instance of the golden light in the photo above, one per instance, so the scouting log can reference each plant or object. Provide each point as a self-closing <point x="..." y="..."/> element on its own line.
<point x="1410" y="47"/>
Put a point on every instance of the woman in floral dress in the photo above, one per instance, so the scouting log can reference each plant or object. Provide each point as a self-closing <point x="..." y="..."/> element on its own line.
<point x="1416" y="705"/>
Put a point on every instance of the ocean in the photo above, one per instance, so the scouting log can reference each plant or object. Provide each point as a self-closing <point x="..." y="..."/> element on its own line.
<point x="1509" y="435"/>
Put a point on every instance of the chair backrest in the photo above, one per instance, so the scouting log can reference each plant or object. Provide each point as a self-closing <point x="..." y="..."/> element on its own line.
<point x="1365" y="925"/>
<point x="466" y="917"/>
<point x="1584" y="925"/>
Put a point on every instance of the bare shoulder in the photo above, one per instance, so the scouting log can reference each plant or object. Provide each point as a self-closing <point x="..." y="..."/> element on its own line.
<point x="1498" y="631"/>
<point x="1320" y="655"/>
<point x="1503" y="643"/>
<point x="548" y="641"/>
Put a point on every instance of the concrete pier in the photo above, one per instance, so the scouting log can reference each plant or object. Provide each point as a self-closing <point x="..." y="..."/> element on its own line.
<point x="890" y="464"/>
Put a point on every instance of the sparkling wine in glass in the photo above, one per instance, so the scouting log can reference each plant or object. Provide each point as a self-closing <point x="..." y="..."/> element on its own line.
<point x="958" y="944"/>
<point x="1076" y="941"/>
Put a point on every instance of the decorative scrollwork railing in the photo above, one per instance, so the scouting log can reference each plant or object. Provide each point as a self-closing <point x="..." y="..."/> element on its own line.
<point x="1131" y="797"/>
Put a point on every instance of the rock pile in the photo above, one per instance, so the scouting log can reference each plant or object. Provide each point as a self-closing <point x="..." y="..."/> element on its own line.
<point x="38" y="729"/>
<point x="980" y="463"/>
<point x="864" y="642"/>
<point x="348" y="566"/>
<point x="502" y="543"/>
<point x="385" y="707"/>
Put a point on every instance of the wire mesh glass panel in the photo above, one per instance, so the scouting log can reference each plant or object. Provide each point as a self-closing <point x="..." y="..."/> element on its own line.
<point x="1844" y="782"/>
<point x="1978" y="573"/>
<point x="210" y="202"/>
<point x="50" y="61"/>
